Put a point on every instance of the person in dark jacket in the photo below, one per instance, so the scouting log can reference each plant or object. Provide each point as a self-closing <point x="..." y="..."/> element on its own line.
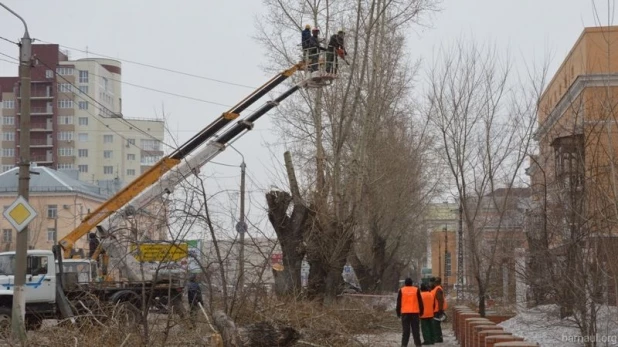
<point x="194" y="294"/>
<point x="335" y="48"/>
<point x="410" y="308"/>
<point x="305" y="37"/>
<point x="314" y="49"/>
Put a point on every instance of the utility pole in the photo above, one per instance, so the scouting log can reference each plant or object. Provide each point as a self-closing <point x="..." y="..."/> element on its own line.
<point x="242" y="229"/>
<point x="445" y="282"/>
<point x="19" y="298"/>
<point x="460" y="256"/>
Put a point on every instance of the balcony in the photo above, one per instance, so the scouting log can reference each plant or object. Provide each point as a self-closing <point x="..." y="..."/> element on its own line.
<point x="40" y="143"/>
<point x="42" y="95"/>
<point x="40" y="127"/>
<point x="43" y="159"/>
<point x="39" y="111"/>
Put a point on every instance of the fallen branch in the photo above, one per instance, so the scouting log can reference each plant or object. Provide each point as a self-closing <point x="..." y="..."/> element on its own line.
<point x="125" y="340"/>
<point x="212" y="328"/>
<point x="91" y="314"/>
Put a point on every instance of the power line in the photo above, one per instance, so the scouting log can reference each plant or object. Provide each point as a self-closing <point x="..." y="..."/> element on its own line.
<point x="154" y="66"/>
<point x="7" y="40"/>
<point x="9" y="56"/>
<point x="11" y="62"/>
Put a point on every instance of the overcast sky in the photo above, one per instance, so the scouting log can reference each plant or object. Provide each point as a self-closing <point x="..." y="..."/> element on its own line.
<point x="213" y="38"/>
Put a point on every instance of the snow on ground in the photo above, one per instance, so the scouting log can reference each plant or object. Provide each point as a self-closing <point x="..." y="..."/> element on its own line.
<point x="543" y="326"/>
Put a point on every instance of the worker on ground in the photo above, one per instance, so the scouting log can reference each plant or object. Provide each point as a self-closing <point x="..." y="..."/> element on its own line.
<point x="335" y="48"/>
<point x="194" y="294"/>
<point x="427" y="317"/>
<point x="439" y="306"/>
<point x="410" y="308"/>
<point x="304" y="41"/>
<point x="314" y="49"/>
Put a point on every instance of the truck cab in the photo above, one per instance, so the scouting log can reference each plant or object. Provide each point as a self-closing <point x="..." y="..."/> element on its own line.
<point x="40" y="285"/>
<point x="85" y="270"/>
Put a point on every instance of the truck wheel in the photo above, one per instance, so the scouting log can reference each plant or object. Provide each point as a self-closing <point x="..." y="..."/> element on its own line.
<point x="5" y="319"/>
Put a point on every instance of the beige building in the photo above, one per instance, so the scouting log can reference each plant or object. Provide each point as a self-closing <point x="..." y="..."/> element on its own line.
<point x="59" y="200"/>
<point x="77" y="122"/>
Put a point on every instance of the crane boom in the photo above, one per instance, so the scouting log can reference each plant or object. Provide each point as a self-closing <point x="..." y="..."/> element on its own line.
<point x="157" y="171"/>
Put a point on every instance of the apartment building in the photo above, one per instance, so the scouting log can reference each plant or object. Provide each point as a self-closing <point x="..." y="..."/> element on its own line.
<point x="573" y="175"/>
<point x="77" y="122"/>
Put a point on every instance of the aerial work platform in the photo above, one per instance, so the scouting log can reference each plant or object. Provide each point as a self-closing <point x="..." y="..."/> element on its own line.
<point x="320" y="69"/>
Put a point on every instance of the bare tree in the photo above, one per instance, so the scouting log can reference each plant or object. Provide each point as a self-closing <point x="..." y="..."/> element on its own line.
<point x="331" y="130"/>
<point x="486" y="136"/>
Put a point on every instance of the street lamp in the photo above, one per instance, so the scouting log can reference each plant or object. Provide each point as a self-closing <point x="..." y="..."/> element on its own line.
<point x="241" y="226"/>
<point x="19" y="295"/>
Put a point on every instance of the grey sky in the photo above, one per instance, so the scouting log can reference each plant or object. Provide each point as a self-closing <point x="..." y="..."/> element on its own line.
<point x="213" y="38"/>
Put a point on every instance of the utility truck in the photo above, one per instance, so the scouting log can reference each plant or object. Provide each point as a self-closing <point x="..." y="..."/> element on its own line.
<point x="65" y="281"/>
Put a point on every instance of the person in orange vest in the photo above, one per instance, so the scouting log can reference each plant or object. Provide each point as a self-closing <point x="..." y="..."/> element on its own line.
<point x="409" y="308"/>
<point x="439" y="307"/>
<point x="427" y="317"/>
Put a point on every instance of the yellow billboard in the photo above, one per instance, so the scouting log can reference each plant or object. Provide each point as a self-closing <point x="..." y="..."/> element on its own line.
<point x="148" y="252"/>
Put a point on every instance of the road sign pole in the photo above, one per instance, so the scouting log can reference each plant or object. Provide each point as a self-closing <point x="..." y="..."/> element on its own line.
<point x="19" y="297"/>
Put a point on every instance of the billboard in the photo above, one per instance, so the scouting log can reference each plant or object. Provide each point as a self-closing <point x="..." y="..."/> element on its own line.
<point x="158" y="252"/>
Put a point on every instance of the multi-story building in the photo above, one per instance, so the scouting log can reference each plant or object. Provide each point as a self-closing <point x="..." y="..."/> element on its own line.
<point x="77" y="121"/>
<point x="60" y="201"/>
<point x="574" y="174"/>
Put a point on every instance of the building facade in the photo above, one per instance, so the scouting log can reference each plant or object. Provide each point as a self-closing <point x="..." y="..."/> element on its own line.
<point x="574" y="175"/>
<point x="77" y="122"/>
<point x="61" y="202"/>
<point x="441" y="223"/>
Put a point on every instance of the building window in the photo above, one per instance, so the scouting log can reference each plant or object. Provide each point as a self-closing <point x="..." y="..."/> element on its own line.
<point x="8" y="152"/>
<point x="82" y="168"/>
<point x="6" y="168"/>
<point x="108" y="170"/>
<point x="83" y="105"/>
<point x="83" y="76"/>
<point x="150" y="145"/>
<point x="82" y="153"/>
<point x="8" y="136"/>
<point x="83" y="89"/>
<point x="130" y="142"/>
<point x="52" y="211"/>
<point x="108" y="138"/>
<point x="64" y="120"/>
<point x="65" y="87"/>
<point x="49" y="74"/>
<point x="64" y="71"/>
<point x="130" y="156"/>
<point x="108" y="154"/>
<point x="65" y="166"/>
<point x="8" y="120"/>
<point x="65" y="136"/>
<point x="82" y="121"/>
<point x="82" y="137"/>
<point x="7" y="235"/>
<point x="65" y="152"/>
<point x="103" y="82"/>
<point x="8" y="104"/>
<point x="51" y="234"/>
<point x="65" y="103"/>
<point x="130" y="172"/>
<point x="149" y="160"/>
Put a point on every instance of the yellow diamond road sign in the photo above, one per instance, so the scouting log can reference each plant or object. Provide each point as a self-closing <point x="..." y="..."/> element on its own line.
<point x="19" y="213"/>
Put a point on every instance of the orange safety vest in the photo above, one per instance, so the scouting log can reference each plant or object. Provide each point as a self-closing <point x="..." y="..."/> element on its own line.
<point x="428" y="300"/>
<point x="436" y="306"/>
<point x="409" y="301"/>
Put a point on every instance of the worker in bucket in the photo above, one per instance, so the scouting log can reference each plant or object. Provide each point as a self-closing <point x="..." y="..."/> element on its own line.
<point x="336" y="49"/>
<point x="314" y="49"/>
<point x="194" y="294"/>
